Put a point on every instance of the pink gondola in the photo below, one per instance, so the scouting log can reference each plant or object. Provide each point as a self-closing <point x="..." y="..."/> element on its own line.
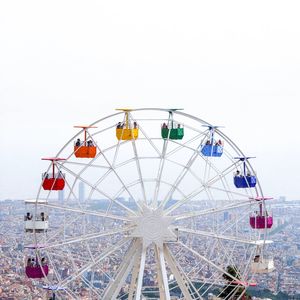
<point x="261" y="219"/>
<point x="37" y="271"/>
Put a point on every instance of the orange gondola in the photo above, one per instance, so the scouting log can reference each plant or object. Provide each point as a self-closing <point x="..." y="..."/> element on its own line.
<point x="85" y="148"/>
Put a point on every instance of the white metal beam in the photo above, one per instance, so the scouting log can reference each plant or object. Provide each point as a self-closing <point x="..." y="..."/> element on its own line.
<point x="113" y="289"/>
<point x="141" y="275"/>
<point x="212" y="210"/>
<point x="159" y="275"/>
<point x="224" y="237"/>
<point x="209" y="262"/>
<point x="183" y="285"/>
<point x="88" y="266"/>
<point x="164" y="273"/>
<point x="135" y="272"/>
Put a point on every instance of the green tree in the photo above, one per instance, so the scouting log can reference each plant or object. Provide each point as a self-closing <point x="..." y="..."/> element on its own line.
<point x="231" y="290"/>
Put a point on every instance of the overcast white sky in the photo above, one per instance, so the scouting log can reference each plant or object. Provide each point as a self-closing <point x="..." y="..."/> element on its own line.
<point x="233" y="63"/>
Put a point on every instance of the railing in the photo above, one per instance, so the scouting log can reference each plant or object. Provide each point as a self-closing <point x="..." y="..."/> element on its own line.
<point x="37" y="218"/>
<point x="130" y="126"/>
<point x="174" y="126"/>
<point x="50" y="175"/>
<point x="84" y="143"/>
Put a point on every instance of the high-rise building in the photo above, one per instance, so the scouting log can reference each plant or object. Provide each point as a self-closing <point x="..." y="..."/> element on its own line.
<point x="61" y="196"/>
<point x="226" y="216"/>
<point x="282" y="199"/>
<point x="81" y="191"/>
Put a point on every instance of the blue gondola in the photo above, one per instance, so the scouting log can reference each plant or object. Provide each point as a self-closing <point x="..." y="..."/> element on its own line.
<point x="212" y="148"/>
<point x="245" y="179"/>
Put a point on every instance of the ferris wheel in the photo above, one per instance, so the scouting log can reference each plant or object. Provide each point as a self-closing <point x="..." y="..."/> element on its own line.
<point x="148" y="204"/>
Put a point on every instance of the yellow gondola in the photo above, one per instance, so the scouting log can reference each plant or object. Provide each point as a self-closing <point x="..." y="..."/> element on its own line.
<point x="127" y="131"/>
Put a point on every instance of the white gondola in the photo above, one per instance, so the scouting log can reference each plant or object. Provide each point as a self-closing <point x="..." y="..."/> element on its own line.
<point x="262" y="265"/>
<point x="39" y="223"/>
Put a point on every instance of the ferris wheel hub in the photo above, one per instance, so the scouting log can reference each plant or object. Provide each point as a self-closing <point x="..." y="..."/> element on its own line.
<point x="153" y="226"/>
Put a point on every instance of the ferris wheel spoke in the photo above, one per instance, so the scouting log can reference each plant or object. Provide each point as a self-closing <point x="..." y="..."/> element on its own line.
<point x="212" y="210"/>
<point x="131" y="212"/>
<point x="88" y="266"/>
<point x="87" y="212"/>
<point x="137" y="161"/>
<point x="161" y="166"/>
<point x="146" y="136"/>
<point x="183" y="145"/>
<point x="208" y="261"/>
<point x="160" y="171"/>
<point x="116" y="154"/>
<point x="124" y="163"/>
<point x="87" y="237"/>
<point x="179" y="179"/>
<point x="199" y="190"/>
<point x="103" y="130"/>
<point x="85" y="165"/>
<point x="123" y="184"/>
<point x="220" y="236"/>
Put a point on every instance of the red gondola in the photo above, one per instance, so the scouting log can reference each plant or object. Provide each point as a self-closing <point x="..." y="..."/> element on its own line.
<point x="54" y="181"/>
<point x="85" y="149"/>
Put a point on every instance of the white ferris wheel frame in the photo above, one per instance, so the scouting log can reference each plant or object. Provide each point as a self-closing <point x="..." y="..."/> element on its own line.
<point x="135" y="258"/>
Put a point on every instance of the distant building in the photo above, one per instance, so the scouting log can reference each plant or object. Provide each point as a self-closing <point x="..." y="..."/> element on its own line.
<point x="282" y="199"/>
<point x="61" y="196"/>
<point x="225" y="216"/>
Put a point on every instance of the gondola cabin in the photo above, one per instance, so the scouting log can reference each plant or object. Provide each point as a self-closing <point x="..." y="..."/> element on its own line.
<point x="248" y="181"/>
<point x="39" y="221"/>
<point x="244" y="179"/>
<point x="262" y="265"/>
<point x="126" y="134"/>
<point x="53" y="181"/>
<point x="173" y="133"/>
<point x="261" y="218"/>
<point x="172" y="130"/>
<point x="35" y="272"/>
<point x="128" y="130"/>
<point x="212" y="150"/>
<point x="261" y="222"/>
<point x="85" y="148"/>
<point x="84" y="151"/>
<point x="36" y="268"/>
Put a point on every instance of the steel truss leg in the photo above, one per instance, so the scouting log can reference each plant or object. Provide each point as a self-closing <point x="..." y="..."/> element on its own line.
<point x="164" y="293"/>
<point x="141" y="275"/>
<point x="180" y="278"/>
<point x="135" y="272"/>
<point x="115" y="286"/>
